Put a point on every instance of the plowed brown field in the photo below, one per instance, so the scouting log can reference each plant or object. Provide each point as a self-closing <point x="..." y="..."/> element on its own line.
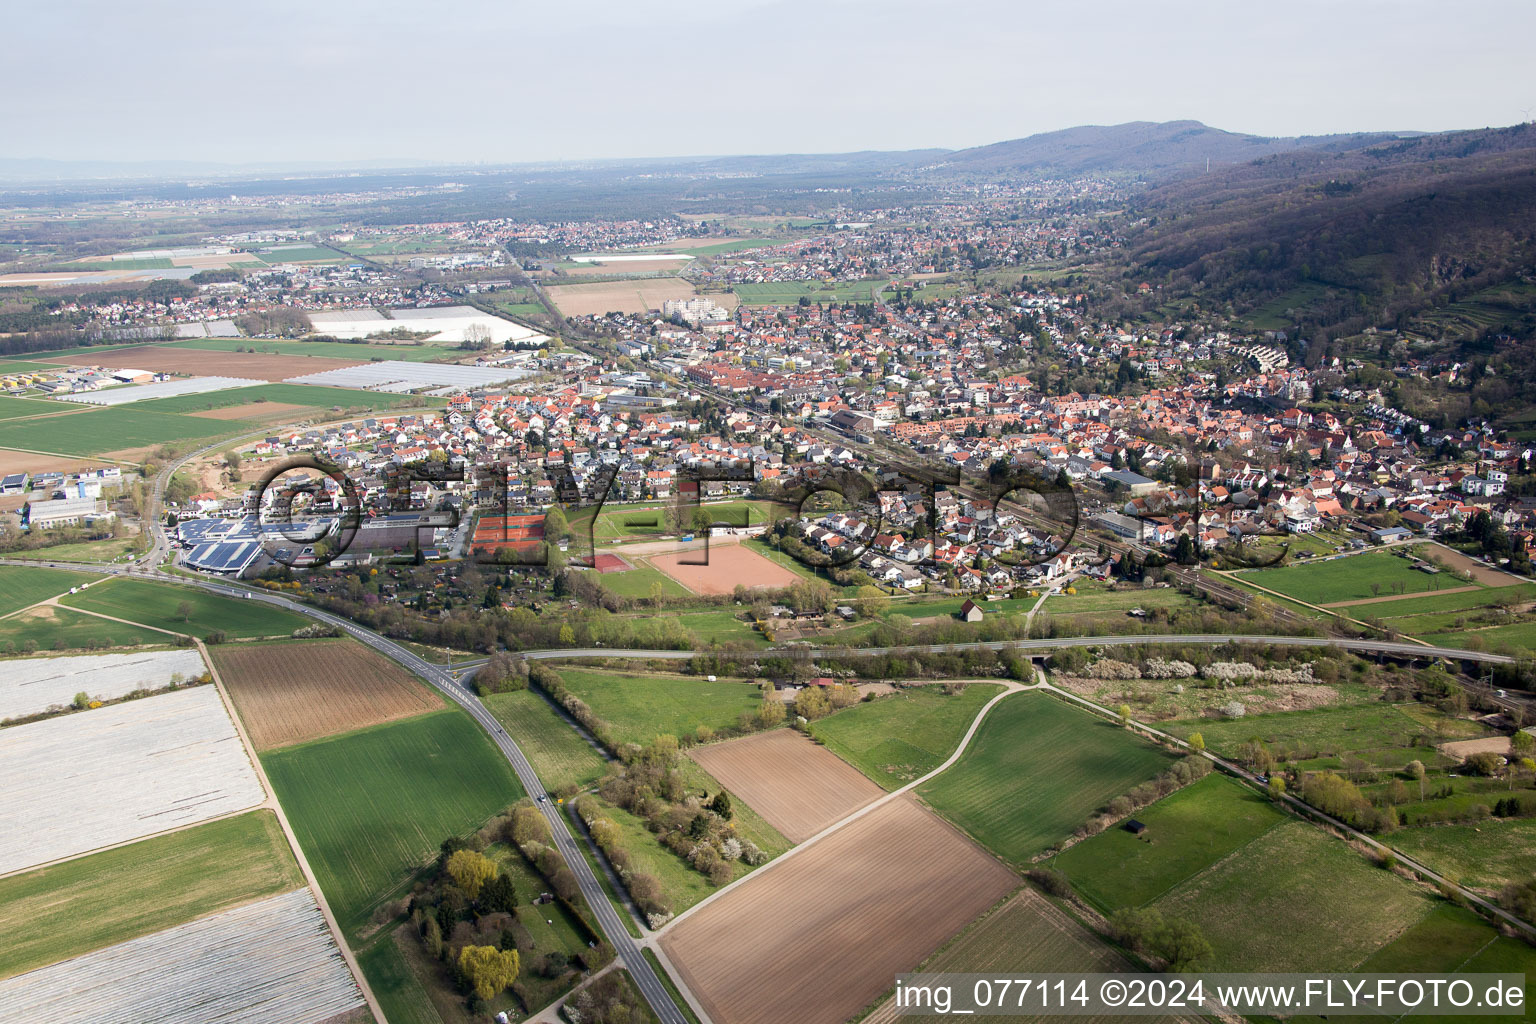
<point x="800" y="787"/>
<point x="204" y="362"/>
<point x="819" y="937"/>
<point x="292" y="692"/>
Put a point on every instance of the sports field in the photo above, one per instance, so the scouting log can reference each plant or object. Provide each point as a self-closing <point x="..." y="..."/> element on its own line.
<point x="905" y="735"/>
<point x="1035" y="770"/>
<point x="1187" y="832"/>
<point x="558" y="754"/>
<point x="1295" y="899"/>
<point x="729" y="566"/>
<point x="144" y="887"/>
<point x="21" y="585"/>
<point x="640" y="707"/>
<point x="295" y="691"/>
<point x="798" y="787"/>
<point x="797" y="942"/>
<point x="159" y="604"/>
<point x="371" y="807"/>
<point x="638" y="582"/>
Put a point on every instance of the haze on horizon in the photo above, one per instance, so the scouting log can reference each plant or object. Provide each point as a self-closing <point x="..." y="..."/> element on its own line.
<point x="290" y="82"/>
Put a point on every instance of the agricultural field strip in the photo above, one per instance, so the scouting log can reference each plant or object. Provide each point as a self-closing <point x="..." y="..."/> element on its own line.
<point x="269" y="962"/>
<point x="36" y="684"/>
<point x="122" y="772"/>
<point x="902" y="873"/>
<point x="867" y="809"/>
<point x="797" y="786"/>
<point x="291" y="692"/>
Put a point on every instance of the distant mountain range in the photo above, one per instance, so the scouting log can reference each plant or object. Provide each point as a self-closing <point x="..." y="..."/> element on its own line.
<point x="1138" y="149"/>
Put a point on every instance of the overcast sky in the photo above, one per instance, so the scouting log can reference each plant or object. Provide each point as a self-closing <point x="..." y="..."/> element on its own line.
<point x="510" y="80"/>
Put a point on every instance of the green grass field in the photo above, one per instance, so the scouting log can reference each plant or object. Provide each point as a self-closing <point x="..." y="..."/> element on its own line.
<point x="290" y="394"/>
<point x="641" y="707"/>
<point x="1187" y="832"/>
<point x="9" y="366"/>
<point x="1035" y="770"/>
<point x="302" y="254"/>
<point x="1381" y="734"/>
<point x="559" y="755"/>
<point x="1487" y="855"/>
<point x="394" y="984"/>
<point x="1025" y="935"/>
<point x="637" y="582"/>
<point x="157" y="604"/>
<point x="1350" y="579"/>
<point x="82" y="551"/>
<point x="788" y="293"/>
<point x="653" y="518"/>
<point x="361" y="352"/>
<point x="65" y="629"/>
<point x="1519" y="638"/>
<point x="371" y="807"/>
<point x="13" y="408"/>
<point x="905" y="736"/>
<point x="1296" y="899"/>
<point x="57" y="912"/>
<point x="96" y="431"/>
<point x="23" y="585"/>
<point x="682" y="886"/>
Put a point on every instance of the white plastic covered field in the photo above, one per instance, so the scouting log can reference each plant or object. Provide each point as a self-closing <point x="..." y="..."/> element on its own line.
<point x="30" y="685"/>
<point x="80" y="782"/>
<point x="269" y="962"/>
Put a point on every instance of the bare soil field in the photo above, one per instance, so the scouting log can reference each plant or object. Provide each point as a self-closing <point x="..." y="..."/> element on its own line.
<point x="292" y="692"/>
<point x="27" y="462"/>
<point x="625" y="267"/>
<point x="206" y="362"/>
<point x="255" y="411"/>
<point x="800" y="787"/>
<point x="729" y="565"/>
<point x="1464" y="749"/>
<point x="617" y="296"/>
<point x="819" y="937"/>
<point x="1026" y="935"/>
<point x="1480" y="572"/>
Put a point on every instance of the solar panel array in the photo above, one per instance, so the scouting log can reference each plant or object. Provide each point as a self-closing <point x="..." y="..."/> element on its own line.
<point x="161" y="389"/>
<point x="398" y="376"/>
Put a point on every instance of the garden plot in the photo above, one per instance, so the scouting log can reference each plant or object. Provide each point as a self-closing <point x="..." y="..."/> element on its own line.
<point x="270" y="962"/>
<point x="36" y="684"/>
<point x="118" y="773"/>
<point x="398" y="376"/>
<point x="162" y="389"/>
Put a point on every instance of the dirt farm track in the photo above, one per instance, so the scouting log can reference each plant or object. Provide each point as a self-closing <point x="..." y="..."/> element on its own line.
<point x="798" y="786"/>
<point x="820" y="937"/>
<point x="293" y="692"/>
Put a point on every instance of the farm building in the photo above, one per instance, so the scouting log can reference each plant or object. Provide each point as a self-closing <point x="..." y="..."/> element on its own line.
<point x="970" y="611"/>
